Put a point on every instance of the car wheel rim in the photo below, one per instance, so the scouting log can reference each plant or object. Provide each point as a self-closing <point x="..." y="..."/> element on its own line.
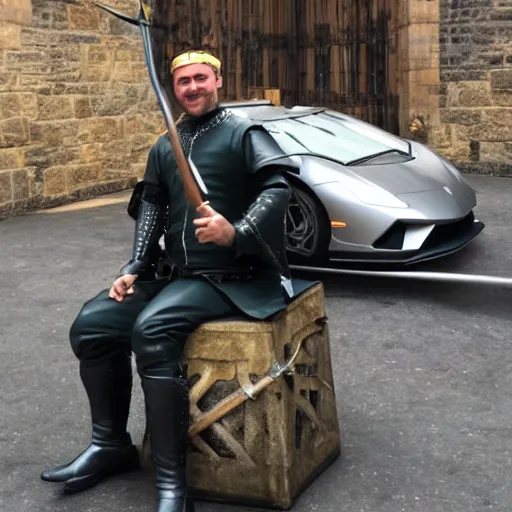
<point x="301" y="227"/>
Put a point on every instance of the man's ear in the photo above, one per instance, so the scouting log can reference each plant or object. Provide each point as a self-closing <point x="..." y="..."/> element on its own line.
<point x="219" y="82"/>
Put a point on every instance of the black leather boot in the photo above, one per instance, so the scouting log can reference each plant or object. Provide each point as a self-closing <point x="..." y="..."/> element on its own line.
<point x="109" y="387"/>
<point x="167" y="410"/>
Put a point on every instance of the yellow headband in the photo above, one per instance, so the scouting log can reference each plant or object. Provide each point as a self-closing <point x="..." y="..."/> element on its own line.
<point x="195" y="57"/>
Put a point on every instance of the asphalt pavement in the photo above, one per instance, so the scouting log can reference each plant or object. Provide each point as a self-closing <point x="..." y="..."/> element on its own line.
<point x="423" y="372"/>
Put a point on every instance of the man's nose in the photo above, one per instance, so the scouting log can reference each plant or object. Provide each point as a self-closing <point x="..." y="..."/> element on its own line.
<point x="192" y="86"/>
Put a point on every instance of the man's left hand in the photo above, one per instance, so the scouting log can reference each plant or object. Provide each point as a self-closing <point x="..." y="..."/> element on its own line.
<point x="213" y="227"/>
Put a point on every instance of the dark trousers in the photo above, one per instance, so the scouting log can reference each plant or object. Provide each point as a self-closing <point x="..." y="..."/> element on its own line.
<point x="153" y="323"/>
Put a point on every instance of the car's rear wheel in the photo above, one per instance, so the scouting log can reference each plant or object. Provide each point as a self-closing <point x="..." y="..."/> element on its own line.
<point x="307" y="227"/>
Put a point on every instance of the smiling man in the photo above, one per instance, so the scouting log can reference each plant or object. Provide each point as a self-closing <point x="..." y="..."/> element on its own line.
<point x="226" y="259"/>
<point x="196" y="85"/>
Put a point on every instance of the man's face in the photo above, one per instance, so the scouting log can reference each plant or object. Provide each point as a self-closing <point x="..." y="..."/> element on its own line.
<point x="195" y="87"/>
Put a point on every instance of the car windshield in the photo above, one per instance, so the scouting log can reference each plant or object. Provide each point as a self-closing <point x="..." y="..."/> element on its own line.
<point x="335" y="136"/>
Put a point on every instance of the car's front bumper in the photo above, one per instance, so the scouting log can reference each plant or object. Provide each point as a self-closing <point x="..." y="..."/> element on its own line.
<point x="441" y="242"/>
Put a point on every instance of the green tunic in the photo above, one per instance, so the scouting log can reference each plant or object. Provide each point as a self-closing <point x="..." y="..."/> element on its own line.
<point x="232" y="171"/>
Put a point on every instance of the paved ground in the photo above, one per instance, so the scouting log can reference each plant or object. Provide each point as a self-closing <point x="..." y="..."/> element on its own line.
<point x="423" y="373"/>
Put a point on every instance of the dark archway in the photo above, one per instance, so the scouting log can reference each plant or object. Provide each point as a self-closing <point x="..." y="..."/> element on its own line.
<point x="339" y="53"/>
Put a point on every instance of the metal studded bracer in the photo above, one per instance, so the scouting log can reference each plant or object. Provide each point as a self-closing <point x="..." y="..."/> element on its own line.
<point x="147" y="233"/>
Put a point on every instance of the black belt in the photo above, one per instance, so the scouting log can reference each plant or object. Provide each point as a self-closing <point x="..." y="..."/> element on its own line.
<point x="171" y="272"/>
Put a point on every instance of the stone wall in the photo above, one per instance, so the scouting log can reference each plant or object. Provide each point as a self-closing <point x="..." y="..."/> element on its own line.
<point x="77" y="112"/>
<point x="476" y="84"/>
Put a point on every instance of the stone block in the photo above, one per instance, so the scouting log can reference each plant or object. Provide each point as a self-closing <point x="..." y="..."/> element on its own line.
<point x="16" y="11"/>
<point x="487" y="132"/>
<point x="123" y="55"/>
<point x="33" y="81"/>
<point x="499" y="116"/>
<point x="95" y="72"/>
<point x="120" y="28"/>
<point x="11" y="158"/>
<point x="35" y="182"/>
<point x="463" y="116"/>
<point x="457" y="152"/>
<point x="96" y="89"/>
<point x="68" y="53"/>
<point x="115" y="104"/>
<point x="423" y="77"/>
<point x="5" y="187"/>
<point x="83" y="18"/>
<point x="14" y="132"/>
<point x="10" y="105"/>
<point x="98" y="54"/>
<point x="100" y="129"/>
<point x="63" y="72"/>
<point x="82" y="174"/>
<point x="469" y="94"/>
<point x="441" y="137"/>
<point x="10" y="36"/>
<point x="20" y="184"/>
<point x="423" y="47"/>
<point x="139" y="74"/>
<point x="474" y="150"/>
<point x="423" y="11"/>
<point x="92" y="152"/>
<point x="501" y="79"/>
<point x="9" y="81"/>
<point x="55" y="181"/>
<point x="496" y="152"/>
<point x="122" y="72"/>
<point x="112" y="103"/>
<point x="114" y="174"/>
<point x="49" y="15"/>
<point x="34" y="37"/>
<point x="54" y="133"/>
<point x="487" y="168"/>
<point x="268" y="450"/>
<point x="496" y="125"/>
<point x="29" y="105"/>
<point x="131" y="124"/>
<point x="139" y="145"/>
<point x="57" y="88"/>
<point x="83" y="108"/>
<point x="151" y="123"/>
<point x="44" y="155"/>
<point x="54" y="107"/>
<point x="24" y="58"/>
<point x="502" y="98"/>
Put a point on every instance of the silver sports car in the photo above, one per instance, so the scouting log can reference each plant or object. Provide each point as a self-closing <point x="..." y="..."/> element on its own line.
<point x="363" y="195"/>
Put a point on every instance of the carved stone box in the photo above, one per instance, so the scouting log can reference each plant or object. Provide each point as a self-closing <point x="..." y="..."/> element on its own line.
<point x="277" y="439"/>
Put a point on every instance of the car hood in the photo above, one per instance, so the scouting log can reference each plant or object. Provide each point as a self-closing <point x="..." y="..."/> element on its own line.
<point x="426" y="179"/>
<point x="423" y="173"/>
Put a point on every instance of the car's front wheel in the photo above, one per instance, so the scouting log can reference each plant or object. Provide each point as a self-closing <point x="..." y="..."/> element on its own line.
<point x="307" y="228"/>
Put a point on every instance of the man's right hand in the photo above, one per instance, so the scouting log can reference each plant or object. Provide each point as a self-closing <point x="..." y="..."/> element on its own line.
<point x="122" y="286"/>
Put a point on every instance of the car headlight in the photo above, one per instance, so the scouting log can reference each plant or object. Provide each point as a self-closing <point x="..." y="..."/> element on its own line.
<point x="379" y="197"/>
<point x="368" y="193"/>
